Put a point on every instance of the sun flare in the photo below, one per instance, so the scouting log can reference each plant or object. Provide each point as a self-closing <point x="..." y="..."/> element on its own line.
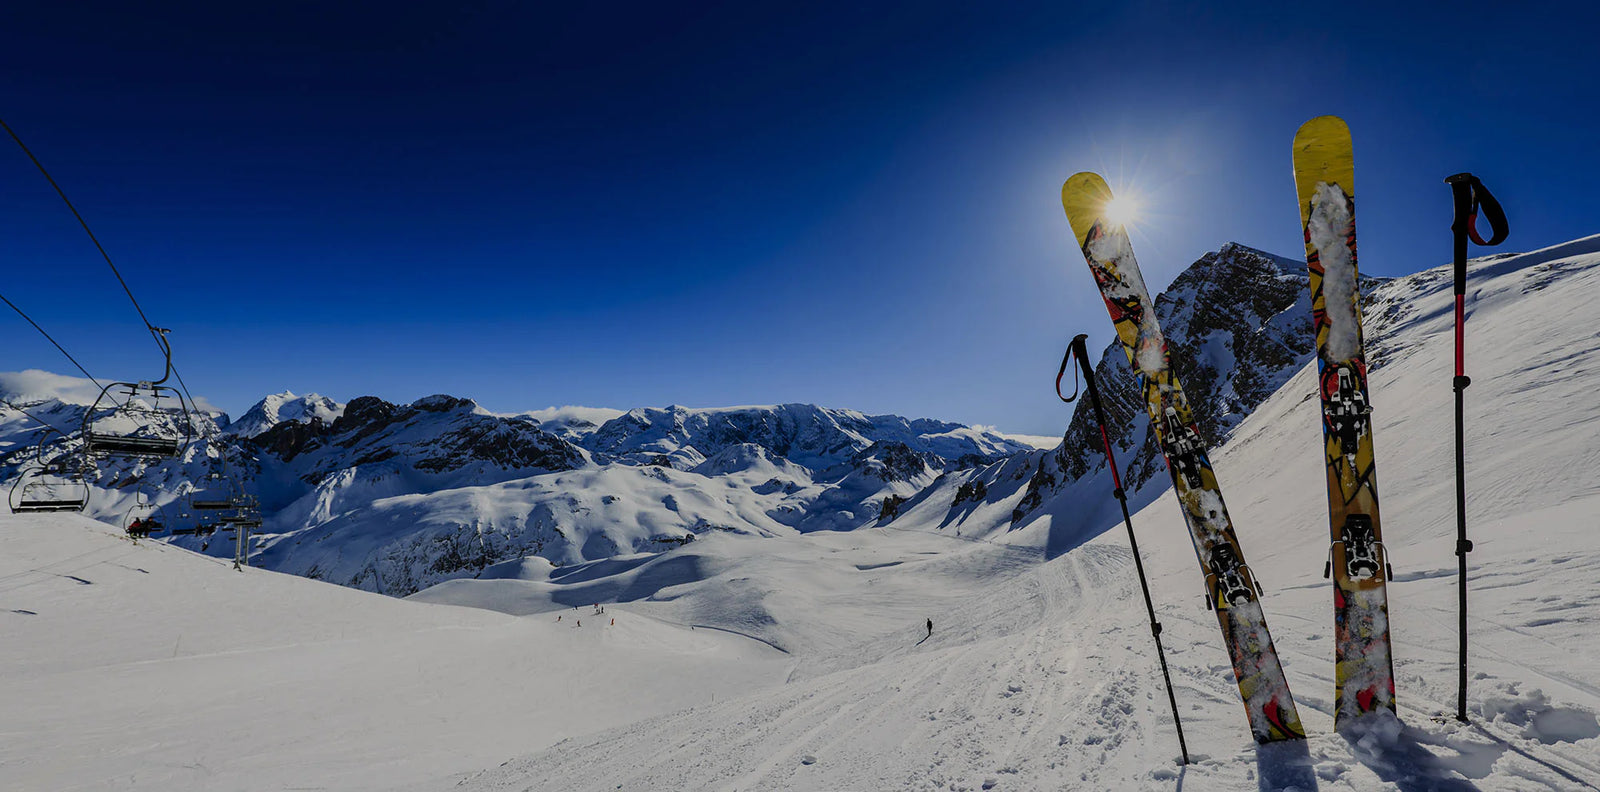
<point x="1122" y="210"/>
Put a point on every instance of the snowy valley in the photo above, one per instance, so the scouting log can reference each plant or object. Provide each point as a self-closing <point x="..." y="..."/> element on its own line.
<point x="765" y="573"/>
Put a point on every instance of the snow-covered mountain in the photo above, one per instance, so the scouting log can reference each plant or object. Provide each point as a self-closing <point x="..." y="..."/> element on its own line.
<point x="286" y="406"/>
<point x="813" y="437"/>
<point x="571" y="422"/>
<point x="395" y="498"/>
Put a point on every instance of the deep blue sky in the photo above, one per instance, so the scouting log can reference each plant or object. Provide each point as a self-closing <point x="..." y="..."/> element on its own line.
<point x="532" y="204"/>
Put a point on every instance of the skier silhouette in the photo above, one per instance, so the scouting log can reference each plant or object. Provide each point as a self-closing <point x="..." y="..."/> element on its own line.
<point x="930" y="628"/>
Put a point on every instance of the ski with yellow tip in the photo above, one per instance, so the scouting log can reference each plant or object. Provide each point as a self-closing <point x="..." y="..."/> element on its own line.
<point x="1231" y="588"/>
<point x="1324" y="173"/>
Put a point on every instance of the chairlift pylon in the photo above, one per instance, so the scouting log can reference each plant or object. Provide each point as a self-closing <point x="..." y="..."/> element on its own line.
<point x="115" y="428"/>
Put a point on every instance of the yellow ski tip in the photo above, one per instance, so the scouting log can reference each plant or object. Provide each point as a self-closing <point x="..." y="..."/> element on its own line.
<point x="1322" y="153"/>
<point x="1322" y="126"/>
<point x="1084" y="197"/>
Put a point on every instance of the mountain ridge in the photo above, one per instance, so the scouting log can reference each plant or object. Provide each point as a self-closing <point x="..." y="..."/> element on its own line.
<point x="397" y="497"/>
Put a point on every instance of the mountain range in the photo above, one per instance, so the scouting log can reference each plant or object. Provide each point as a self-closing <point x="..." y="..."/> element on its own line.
<point x="395" y="498"/>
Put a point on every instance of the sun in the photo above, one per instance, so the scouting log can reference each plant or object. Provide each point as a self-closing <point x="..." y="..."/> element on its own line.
<point x="1122" y="210"/>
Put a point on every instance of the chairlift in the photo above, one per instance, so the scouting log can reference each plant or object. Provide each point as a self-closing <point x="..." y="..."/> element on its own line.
<point x="51" y="485"/>
<point x="218" y="495"/>
<point x="143" y="518"/>
<point x="189" y="521"/>
<point x="127" y="418"/>
<point x="52" y="488"/>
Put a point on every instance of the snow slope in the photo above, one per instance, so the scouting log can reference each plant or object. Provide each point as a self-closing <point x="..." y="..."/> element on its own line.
<point x="1047" y="680"/>
<point x="145" y="666"/>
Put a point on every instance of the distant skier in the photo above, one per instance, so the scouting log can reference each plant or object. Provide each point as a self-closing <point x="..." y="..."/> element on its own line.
<point x="930" y="628"/>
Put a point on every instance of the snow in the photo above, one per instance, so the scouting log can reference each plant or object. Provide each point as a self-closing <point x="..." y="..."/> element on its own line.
<point x="1329" y="230"/>
<point x="1107" y="253"/>
<point x="1049" y="680"/>
<point x="571" y="422"/>
<point x="800" y="660"/>
<point x="1041" y="442"/>
<point x="285" y="406"/>
<point x="148" y="667"/>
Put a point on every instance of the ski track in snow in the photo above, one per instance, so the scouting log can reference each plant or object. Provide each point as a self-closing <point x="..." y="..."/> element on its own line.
<point x="129" y="666"/>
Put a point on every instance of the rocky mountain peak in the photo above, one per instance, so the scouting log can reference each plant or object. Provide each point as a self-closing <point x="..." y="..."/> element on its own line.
<point x="1239" y="323"/>
<point x="285" y="406"/>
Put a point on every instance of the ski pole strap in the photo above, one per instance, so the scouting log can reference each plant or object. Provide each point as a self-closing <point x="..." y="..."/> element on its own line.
<point x="1482" y="199"/>
<point x="1066" y="360"/>
<point x="1470" y="196"/>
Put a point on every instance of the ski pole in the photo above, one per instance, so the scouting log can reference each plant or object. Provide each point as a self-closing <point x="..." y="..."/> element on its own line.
<point x="1079" y="349"/>
<point x="1469" y="196"/>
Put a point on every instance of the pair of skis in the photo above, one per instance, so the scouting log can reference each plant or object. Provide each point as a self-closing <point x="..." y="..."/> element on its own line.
<point x="1364" y="673"/>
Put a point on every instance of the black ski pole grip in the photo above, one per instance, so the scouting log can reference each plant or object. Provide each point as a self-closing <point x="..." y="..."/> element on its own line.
<point x="1461" y="199"/>
<point x="1470" y="196"/>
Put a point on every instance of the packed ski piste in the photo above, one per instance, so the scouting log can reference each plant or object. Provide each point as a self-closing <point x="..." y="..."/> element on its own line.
<point x="745" y="597"/>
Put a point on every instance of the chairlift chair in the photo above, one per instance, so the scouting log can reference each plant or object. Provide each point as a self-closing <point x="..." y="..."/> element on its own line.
<point x="143" y="517"/>
<point x="50" y="489"/>
<point x="214" y="498"/>
<point x="113" y="425"/>
<point x="57" y="484"/>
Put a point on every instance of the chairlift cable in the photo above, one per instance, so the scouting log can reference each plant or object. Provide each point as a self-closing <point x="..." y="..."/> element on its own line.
<point x="85" y="224"/>
<point x="49" y="338"/>
<point x="154" y="331"/>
